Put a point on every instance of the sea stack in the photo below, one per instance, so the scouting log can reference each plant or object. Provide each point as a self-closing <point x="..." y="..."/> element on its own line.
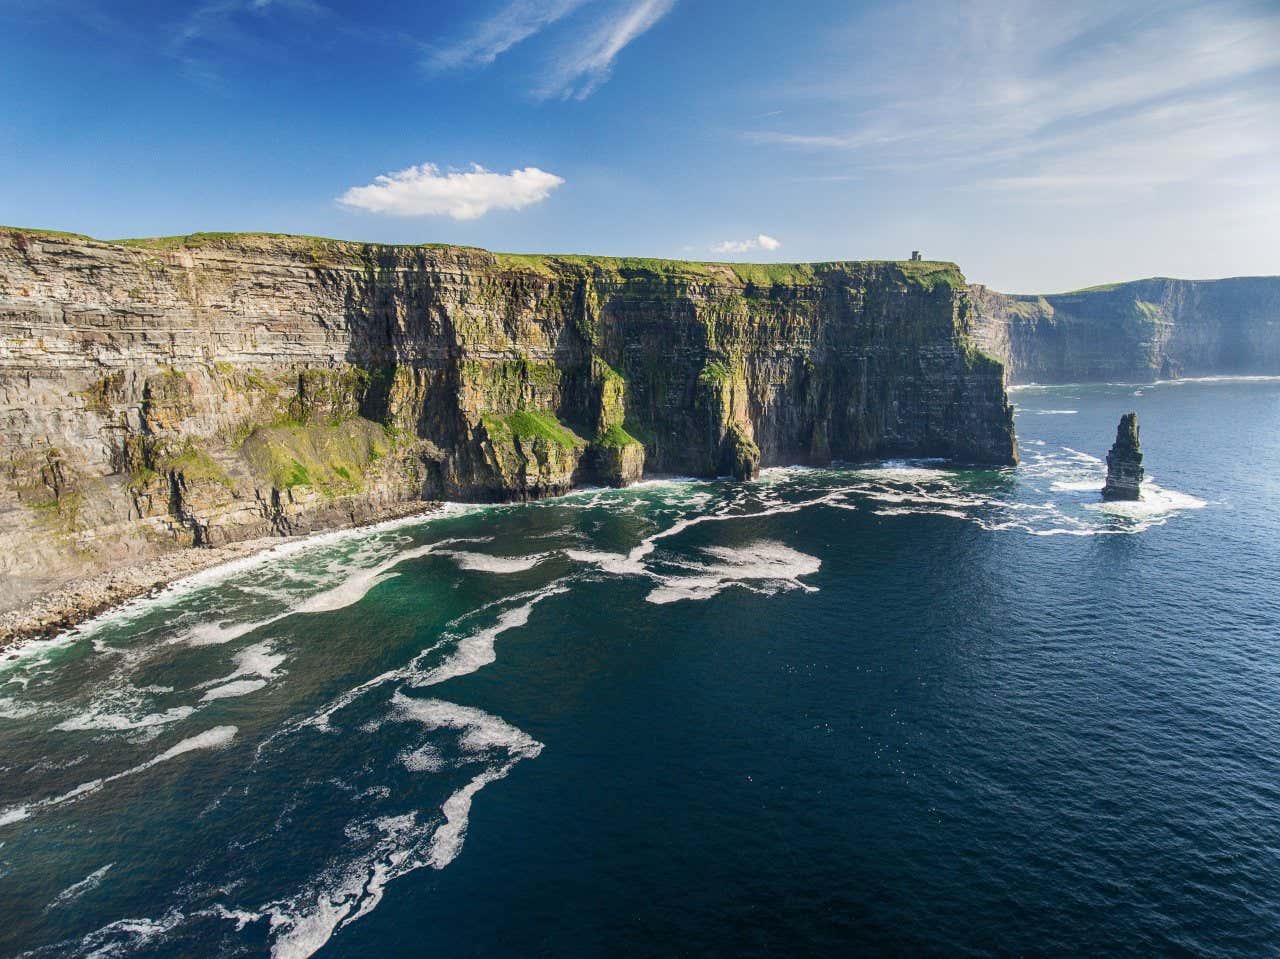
<point x="1124" y="462"/>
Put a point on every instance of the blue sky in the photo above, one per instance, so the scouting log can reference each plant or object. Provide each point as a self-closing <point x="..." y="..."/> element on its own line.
<point x="1043" y="146"/>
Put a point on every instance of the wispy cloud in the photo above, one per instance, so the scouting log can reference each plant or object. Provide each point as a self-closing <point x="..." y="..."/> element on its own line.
<point x="426" y="191"/>
<point x="217" y="28"/>
<point x="511" y="25"/>
<point x="761" y="241"/>
<point x="587" y="63"/>
<point x="581" y="55"/>
<point x="1080" y="98"/>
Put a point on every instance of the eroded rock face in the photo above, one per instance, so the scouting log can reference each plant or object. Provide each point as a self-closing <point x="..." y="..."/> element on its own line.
<point x="1124" y="462"/>
<point x="209" y="389"/>
<point x="1139" y="331"/>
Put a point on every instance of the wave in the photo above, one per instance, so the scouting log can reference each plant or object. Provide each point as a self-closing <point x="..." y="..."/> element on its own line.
<point x="256" y="666"/>
<point x="180" y="588"/>
<point x="1156" y="502"/>
<point x="484" y="563"/>
<point x="350" y="889"/>
<point x="763" y="566"/>
<point x="100" y="718"/>
<point x="215" y="738"/>
<point x="477" y="649"/>
<point x="78" y="889"/>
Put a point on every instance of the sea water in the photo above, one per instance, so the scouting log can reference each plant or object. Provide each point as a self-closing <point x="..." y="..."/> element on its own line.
<point x="893" y="707"/>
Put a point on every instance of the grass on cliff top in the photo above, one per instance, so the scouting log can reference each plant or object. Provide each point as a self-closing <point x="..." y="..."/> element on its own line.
<point x="52" y="234"/>
<point x="530" y="425"/>
<point x="927" y="273"/>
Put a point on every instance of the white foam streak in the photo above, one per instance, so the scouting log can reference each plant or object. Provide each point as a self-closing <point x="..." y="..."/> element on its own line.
<point x="215" y="738"/>
<point x="446" y="841"/>
<point x="484" y="563"/>
<point x="76" y="890"/>
<point x="478" y="649"/>
<point x="241" y="687"/>
<point x="217" y="634"/>
<point x="481" y="731"/>
<point x="357" y="584"/>
<point x="116" y="722"/>
<point x="256" y="666"/>
<point x="353" y="889"/>
<point x="760" y="562"/>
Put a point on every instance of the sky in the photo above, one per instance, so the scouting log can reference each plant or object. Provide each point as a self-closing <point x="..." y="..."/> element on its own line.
<point x="1043" y="146"/>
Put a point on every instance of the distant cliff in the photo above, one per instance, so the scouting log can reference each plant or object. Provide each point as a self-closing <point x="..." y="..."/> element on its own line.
<point x="1144" y="330"/>
<point x="206" y="389"/>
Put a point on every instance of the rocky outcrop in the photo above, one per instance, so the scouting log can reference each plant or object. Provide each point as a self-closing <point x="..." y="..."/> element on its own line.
<point x="1124" y="462"/>
<point x="196" y="391"/>
<point x="1139" y="331"/>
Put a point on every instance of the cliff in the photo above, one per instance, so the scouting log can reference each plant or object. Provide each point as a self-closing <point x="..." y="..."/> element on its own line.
<point x="1124" y="462"/>
<point x="207" y="389"/>
<point x="1139" y="331"/>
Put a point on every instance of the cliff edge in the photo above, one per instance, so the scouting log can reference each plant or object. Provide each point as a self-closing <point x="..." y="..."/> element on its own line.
<point x="1139" y="331"/>
<point x="200" y="390"/>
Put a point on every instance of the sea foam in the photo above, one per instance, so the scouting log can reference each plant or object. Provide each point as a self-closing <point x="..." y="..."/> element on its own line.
<point x="763" y="565"/>
<point x="215" y="738"/>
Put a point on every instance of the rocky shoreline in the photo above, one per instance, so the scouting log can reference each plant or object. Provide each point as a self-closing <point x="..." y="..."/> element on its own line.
<point x="201" y="390"/>
<point x="82" y="599"/>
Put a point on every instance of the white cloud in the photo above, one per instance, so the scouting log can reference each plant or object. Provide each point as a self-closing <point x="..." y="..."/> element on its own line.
<point x="513" y="24"/>
<point x="761" y="241"/>
<point x="587" y="64"/>
<point x="425" y="191"/>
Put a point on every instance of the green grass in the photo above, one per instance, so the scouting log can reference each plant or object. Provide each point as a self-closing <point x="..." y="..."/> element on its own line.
<point x="195" y="465"/>
<point x="615" y="436"/>
<point x="774" y="274"/>
<point x="530" y="425"/>
<point x="930" y="274"/>
<point x="197" y="240"/>
<point x="756" y="274"/>
<point x="331" y="458"/>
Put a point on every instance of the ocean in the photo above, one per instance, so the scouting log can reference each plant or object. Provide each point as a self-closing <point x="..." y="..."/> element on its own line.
<point x="893" y="708"/>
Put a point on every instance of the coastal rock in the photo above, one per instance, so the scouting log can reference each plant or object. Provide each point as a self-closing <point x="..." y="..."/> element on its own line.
<point x="203" y="390"/>
<point x="740" y="456"/>
<point x="1124" y="462"/>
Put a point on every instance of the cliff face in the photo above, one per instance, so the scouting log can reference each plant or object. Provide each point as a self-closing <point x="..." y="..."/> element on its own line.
<point x="1144" y="330"/>
<point x="208" y="389"/>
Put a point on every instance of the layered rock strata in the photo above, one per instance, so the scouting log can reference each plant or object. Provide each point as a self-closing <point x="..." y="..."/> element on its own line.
<point x="1124" y="462"/>
<point x="1134" y="332"/>
<point x="201" y="390"/>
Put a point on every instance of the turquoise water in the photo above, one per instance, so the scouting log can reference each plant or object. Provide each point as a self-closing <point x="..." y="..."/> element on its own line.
<point x="892" y="708"/>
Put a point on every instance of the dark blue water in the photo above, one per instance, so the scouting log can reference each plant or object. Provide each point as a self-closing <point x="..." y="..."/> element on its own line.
<point x="896" y="709"/>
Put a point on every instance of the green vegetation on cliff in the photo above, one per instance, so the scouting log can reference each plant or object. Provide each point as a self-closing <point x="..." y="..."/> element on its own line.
<point x="332" y="459"/>
<point x="190" y="462"/>
<point x="615" y="436"/>
<point x="530" y="425"/>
